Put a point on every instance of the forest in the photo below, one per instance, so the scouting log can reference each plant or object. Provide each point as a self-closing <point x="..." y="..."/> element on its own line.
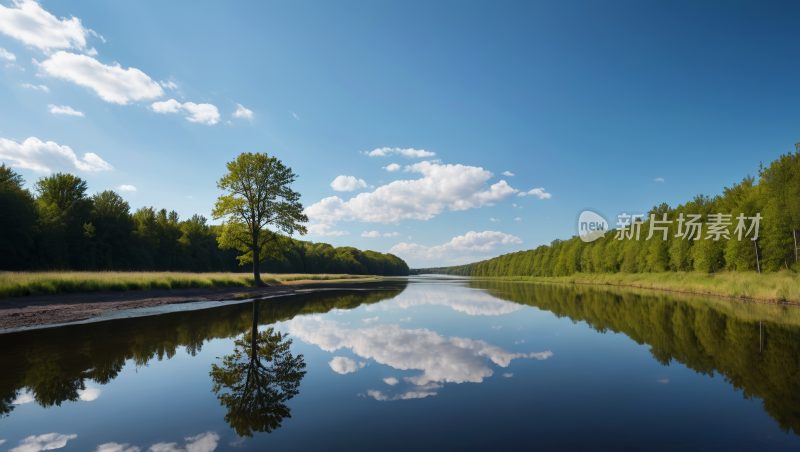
<point x="61" y="227"/>
<point x="775" y="195"/>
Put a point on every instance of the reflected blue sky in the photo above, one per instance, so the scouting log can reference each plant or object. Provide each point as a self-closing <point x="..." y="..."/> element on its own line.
<point x="441" y="364"/>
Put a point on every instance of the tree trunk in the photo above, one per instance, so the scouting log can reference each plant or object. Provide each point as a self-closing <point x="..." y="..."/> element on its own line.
<point x="254" y="332"/>
<point x="256" y="262"/>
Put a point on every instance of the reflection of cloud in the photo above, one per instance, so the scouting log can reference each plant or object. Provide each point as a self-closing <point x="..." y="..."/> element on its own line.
<point x="472" y="302"/>
<point x="418" y="392"/>
<point x="665" y="381"/>
<point x="441" y="359"/>
<point x="205" y="442"/>
<point x="23" y="397"/>
<point x="337" y="311"/>
<point x="508" y="375"/>
<point x="237" y="443"/>
<point x="2" y="441"/>
<point x="343" y="365"/>
<point x="114" y="447"/>
<point x="48" y="441"/>
<point x="391" y="381"/>
<point x="89" y="394"/>
<point x="497" y="327"/>
<point x="519" y="342"/>
<point x="372" y="320"/>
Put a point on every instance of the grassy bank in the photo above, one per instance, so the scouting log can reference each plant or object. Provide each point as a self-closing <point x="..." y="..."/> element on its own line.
<point x="18" y="284"/>
<point x="780" y="286"/>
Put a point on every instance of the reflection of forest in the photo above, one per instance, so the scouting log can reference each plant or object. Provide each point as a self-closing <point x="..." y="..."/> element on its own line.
<point x="756" y="348"/>
<point x="54" y="364"/>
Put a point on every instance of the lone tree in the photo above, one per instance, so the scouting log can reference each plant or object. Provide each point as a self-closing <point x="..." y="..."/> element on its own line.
<point x="260" y="209"/>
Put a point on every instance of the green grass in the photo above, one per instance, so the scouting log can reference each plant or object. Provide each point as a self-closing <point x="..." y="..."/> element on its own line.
<point x="19" y="284"/>
<point x="779" y="286"/>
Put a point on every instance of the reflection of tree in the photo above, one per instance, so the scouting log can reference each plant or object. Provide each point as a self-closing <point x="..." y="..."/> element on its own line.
<point x="258" y="378"/>
<point x="5" y="403"/>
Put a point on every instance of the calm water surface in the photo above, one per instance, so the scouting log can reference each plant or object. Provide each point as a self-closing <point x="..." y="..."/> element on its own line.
<point x="424" y="363"/>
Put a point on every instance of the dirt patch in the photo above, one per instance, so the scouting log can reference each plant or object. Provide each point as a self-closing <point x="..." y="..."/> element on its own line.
<point x="54" y="309"/>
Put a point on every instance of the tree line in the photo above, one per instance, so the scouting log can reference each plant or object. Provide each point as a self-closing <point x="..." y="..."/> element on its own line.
<point x="59" y="226"/>
<point x="776" y="197"/>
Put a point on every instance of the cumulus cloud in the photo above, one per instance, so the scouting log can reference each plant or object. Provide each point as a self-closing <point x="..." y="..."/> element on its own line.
<point x="242" y="112"/>
<point x="35" y="27"/>
<point x="36" y="155"/>
<point x="48" y="441"/>
<point x="371" y="320"/>
<point x="418" y="392"/>
<point x="202" y="113"/>
<point x="509" y="375"/>
<point x="23" y="398"/>
<point x="128" y="188"/>
<point x="342" y="365"/>
<point x="6" y="54"/>
<point x="659" y="179"/>
<point x="205" y="442"/>
<point x="494" y="219"/>
<point x="347" y="183"/>
<point x="111" y="83"/>
<point x="407" y="153"/>
<point x="391" y="234"/>
<point x="88" y="394"/>
<point x="537" y="192"/>
<point x="36" y="87"/>
<point x="64" y="110"/>
<point x="507" y="173"/>
<point x="323" y="230"/>
<point x="168" y="84"/>
<point x="114" y="447"/>
<point x="371" y="234"/>
<point x="468" y="301"/>
<point x="391" y="381"/>
<point x="441" y="359"/>
<point x="470" y="242"/>
<point x="392" y="167"/>
<point x="456" y="187"/>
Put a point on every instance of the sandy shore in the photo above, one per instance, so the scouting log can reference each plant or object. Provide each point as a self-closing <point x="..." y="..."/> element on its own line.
<point x="55" y="309"/>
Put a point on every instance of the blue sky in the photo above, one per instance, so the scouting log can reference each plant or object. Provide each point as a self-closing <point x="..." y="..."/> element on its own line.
<point x="589" y="101"/>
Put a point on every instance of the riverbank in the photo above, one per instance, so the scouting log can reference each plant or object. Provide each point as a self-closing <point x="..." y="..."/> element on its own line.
<point x="774" y="288"/>
<point x="64" y="308"/>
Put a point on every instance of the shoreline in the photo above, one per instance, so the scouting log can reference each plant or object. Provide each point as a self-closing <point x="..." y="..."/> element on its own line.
<point x="16" y="313"/>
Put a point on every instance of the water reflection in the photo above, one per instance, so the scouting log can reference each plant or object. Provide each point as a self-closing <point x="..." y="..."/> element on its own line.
<point x="254" y="382"/>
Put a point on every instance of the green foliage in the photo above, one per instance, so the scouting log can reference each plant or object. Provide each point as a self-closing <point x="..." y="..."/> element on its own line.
<point x="776" y="197"/>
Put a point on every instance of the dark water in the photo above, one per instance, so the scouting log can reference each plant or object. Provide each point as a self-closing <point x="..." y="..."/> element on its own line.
<point x="419" y="364"/>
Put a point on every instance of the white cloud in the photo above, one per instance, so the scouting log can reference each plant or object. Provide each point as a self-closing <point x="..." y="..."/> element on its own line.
<point x="470" y="242"/>
<point x="34" y="26"/>
<point x="44" y="157"/>
<point x="202" y="113"/>
<point x="537" y="192"/>
<point x="407" y="153"/>
<point x="441" y="359"/>
<point x="2" y="441"/>
<point x="36" y="87"/>
<point x="323" y="230"/>
<point x="242" y="112"/>
<point x="507" y="173"/>
<point x="6" y="54"/>
<point x="111" y="83"/>
<point x="347" y="183"/>
<point x="391" y="234"/>
<point x="88" y="394"/>
<point x="371" y="320"/>
<point x="468" y="301"/>
<point x="168" y="84"/>
<point x="519" y="342"/>
<point x="372" y="234"/>
<point x="509" y="375"/>
<point x="419" y="392"/>
<point x="295" y="116"/>
<point x="23" y="397"/>
<point x="343" y="365"/>
<point x="494" y="219"/>
<point x="659" y="179"/>
<point x="64" y="110"/>
<point x="391" y="381"/>
<point x="114" y="447"/>
<point x="518" y="219"/>
<point x="392" y="167"/>
<point x="456" y="187"/>
<point x="407" y="319"/>
<point x="128" y="188"/>
<point x="205" y="442"/>
<point x="48" y="441"/>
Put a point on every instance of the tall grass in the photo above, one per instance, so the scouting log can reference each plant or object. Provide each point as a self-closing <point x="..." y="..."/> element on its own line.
<point x="18" y="284"/>
<point x="777" y="286"/>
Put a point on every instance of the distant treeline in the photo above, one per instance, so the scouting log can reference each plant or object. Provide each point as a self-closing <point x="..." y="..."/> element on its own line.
<point x="60" y="227"/>
<point x="776" y="197"/>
